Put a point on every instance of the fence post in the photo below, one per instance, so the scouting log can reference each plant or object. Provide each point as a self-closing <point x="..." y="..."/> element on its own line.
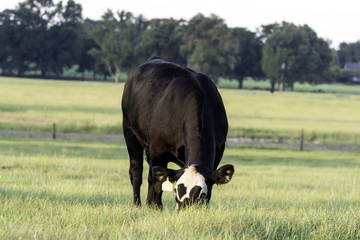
<point x="302" y="140"/>
<point x="54" y="131"/>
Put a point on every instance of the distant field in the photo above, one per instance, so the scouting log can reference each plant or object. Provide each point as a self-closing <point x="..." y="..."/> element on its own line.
<point x="28" y="104"/>
<point x="321" y="88"/>
<point x="324" y="117"/>
<point x="81" y="190"/>
<point x="94" y="107"/>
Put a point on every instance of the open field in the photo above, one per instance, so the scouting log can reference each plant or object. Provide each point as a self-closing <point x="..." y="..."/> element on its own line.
<point x="80" y="190"/>
<point x="94" y="107"/>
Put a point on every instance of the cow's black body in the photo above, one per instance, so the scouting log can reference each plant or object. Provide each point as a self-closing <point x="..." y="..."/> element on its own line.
<point x="175" y="115"/>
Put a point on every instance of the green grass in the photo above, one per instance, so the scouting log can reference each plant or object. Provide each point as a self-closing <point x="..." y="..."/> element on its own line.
<point x="81" y="190"/>
<point x="94" y="107"/>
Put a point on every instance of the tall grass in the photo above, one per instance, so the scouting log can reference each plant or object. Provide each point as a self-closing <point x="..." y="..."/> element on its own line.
<point x="81" y="190"/>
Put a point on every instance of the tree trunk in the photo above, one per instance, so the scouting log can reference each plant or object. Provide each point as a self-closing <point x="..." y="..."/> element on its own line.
<point x="281" y="86"/>
<point x="43" y="73"/>
<point x="20" y="73"/>
<point x="117" y="74"/>
<point x="241" y="80"/>
<point x="109" y="69"/>
<point x="82" y="76"/>
<point x="21" y="69"/>
<point x="292" y="86"/>
<point x="272" y="86"/>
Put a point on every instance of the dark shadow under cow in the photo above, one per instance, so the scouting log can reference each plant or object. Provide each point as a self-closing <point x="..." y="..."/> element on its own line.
<point x="175" y="115"/>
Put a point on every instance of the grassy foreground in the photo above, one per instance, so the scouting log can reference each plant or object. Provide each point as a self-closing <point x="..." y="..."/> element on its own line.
<point x="80" y="190"/>
<point x="94" y="107"/>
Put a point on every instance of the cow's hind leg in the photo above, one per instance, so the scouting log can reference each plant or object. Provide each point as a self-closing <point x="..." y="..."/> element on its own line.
<point x="135" y="151"/>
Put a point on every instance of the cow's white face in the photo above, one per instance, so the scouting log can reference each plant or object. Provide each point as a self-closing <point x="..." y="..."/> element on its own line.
<point x="190" y="187"/>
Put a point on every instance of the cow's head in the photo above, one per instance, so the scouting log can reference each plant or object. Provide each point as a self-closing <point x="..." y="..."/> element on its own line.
<point x="192" y="186"/>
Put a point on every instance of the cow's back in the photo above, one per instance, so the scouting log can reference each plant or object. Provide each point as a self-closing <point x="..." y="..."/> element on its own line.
<point x="160" y="99"/>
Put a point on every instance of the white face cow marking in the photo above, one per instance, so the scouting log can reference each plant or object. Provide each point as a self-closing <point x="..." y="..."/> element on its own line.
<point x="190" y="186"/>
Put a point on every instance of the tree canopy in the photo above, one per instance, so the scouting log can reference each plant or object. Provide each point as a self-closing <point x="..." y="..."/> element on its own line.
<point x="247" y="55"/>
<point x="162" y="37"/>
<point x="295" y="54"/>
<point x="116" y="35"/>
<point x="208" y="46"/>
<point x="41" y="37"/>
<point x="349" y="52"/>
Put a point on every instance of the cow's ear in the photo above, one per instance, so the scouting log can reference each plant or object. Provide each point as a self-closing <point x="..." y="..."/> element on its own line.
<point x="160" y="174"/>
<point x="174" y="175"/>
<point x="223" y="174"/>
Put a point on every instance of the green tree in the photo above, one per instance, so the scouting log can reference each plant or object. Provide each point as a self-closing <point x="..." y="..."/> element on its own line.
<point x="44" y="36"/>
<point x="247" y="55"/>
<point x="7" y="42"/>
<point x="272" y="64"/>
<point x="66" y="40"/>
<point x="208" y="46"/>
<point x="162" y="38"/>
<point x="295" y="54"/>
<point x="117" y="36"/>
<point x="349" y="52"/>
<point x="85" y="60"/>
<point x="23" y="27"/>
<point x="338" y="73"/>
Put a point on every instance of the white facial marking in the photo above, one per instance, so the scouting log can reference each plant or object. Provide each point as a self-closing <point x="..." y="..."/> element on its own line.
<point x="190" y="179"/>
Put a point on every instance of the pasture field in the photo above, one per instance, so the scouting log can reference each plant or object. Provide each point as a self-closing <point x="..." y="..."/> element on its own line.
<point x="94" y="107"/>
<point x="81" y="190"/>
<point x="28" y="104"/>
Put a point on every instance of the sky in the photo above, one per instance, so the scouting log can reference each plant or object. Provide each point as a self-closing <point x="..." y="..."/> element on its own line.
<point x="334" y="20"/>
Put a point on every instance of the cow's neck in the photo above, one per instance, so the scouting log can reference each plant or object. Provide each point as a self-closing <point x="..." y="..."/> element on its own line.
<point x="200" y="149"/>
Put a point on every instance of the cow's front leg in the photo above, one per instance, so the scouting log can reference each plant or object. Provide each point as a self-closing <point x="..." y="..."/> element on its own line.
<point x="154" y="192"/>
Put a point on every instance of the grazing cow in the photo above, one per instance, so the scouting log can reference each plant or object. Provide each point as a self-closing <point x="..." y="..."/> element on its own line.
<point x="175" y="115"/>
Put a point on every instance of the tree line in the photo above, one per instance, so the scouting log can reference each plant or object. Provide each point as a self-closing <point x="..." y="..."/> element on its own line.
<point x="42" y="37"/>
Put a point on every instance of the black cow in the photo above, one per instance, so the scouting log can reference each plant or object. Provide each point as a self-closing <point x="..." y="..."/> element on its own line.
<point x="176" y="115"/>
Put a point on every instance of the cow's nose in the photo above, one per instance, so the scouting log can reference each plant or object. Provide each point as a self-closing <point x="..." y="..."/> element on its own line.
<point x="187" y="202"/>
<point x="202" y="198"/>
